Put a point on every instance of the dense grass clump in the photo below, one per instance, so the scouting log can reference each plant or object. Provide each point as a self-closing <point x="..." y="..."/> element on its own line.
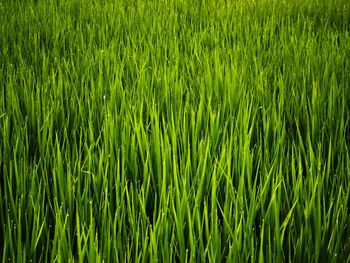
<point x="175" y="131"/>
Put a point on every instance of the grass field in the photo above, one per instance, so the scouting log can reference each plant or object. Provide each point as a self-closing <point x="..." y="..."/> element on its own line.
<point x="175" y="131"/>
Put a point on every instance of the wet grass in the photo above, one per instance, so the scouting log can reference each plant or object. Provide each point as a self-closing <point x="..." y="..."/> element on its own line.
<point x="172" y="131"/>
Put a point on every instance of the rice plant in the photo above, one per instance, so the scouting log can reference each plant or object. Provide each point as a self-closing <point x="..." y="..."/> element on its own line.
<point x="175" y="131"/>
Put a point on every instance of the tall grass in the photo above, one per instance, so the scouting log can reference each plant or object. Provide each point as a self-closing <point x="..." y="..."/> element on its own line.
<point x="174" y="131"/>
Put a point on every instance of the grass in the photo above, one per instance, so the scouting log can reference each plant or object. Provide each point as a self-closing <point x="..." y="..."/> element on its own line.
<point x="174" y="131"/>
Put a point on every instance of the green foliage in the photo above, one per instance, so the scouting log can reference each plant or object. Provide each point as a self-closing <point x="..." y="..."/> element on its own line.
<point x="174" y="131"/>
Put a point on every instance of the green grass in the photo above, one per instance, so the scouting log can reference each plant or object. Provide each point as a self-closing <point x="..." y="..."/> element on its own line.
<point x="175" y="131"/>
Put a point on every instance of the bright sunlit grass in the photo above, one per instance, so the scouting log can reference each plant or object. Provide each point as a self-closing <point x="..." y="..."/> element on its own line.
<point x="175" y="131"/>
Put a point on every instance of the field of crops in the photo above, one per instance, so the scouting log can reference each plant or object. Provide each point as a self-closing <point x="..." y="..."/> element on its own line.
<point x="174" y="131"/>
